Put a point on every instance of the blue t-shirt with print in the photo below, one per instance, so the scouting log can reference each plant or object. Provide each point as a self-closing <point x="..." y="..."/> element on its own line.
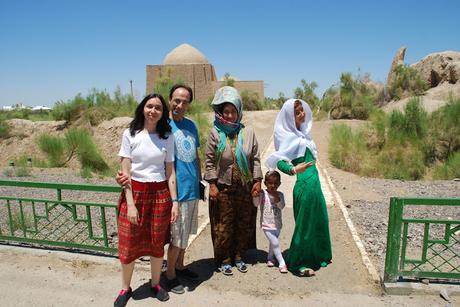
<point x="186" y="142"/>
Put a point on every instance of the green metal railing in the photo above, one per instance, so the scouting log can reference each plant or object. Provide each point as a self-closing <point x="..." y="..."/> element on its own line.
<point x="438" y="258"/>
<point x="57" y="222"/>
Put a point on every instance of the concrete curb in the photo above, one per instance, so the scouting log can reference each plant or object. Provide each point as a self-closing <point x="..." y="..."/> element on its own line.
<point x="359" y="244"/>
<point x="409" y="288"/>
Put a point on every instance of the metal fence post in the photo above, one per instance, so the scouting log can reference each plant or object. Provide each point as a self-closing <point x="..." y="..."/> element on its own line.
<point x="393" y="240"/>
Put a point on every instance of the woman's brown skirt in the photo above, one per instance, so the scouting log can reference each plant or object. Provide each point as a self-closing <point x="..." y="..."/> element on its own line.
<point x="233" y="222"/>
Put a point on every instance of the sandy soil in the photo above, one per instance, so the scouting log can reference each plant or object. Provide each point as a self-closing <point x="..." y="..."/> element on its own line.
<point x="56" y="278"/>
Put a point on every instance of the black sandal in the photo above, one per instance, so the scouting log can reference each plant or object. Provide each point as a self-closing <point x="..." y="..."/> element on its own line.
<point x="241" y="266"/>
<point x="226" y="269"/>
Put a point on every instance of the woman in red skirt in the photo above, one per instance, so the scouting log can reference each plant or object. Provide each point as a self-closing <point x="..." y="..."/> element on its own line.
<point x="149" y="204"/>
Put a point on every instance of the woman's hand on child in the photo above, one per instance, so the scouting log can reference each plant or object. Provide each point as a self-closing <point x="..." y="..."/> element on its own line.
<point x="174" y="212"/>
<point x="213" y="191"/>
<point x="133" y="215"/>
<point x="256" y="188"/>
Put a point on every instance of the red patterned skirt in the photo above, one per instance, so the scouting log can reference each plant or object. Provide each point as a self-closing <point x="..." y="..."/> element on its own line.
<point x="153" y="203"/>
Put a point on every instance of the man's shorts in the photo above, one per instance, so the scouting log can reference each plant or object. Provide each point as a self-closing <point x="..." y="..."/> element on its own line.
<point x="186" y="224"/>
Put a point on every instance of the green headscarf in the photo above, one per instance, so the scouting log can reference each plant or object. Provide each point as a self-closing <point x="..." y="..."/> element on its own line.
<point x="228" y="94"/>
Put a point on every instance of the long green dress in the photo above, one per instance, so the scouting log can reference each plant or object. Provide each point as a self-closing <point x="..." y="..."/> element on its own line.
<point x="310" y="244"/>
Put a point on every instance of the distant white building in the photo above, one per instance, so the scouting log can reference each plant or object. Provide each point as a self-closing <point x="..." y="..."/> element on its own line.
<point x="41" y="108"/>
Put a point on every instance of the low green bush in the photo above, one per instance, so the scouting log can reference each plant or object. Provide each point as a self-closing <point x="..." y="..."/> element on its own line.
<point x="445" y="127"/>
<point x="251" y="101"/>
<point x="401" y="161"/>
<point x="96" y="107"/>
<point x="60" y="150"/>
<point x="406" y="82"/>
<point x="55" y="149"/>
<point x="4" y="129"/>
<point x="346" y="149"/>
<point x="351" y="98"/>
<point x="448" y="170"/>
<point x="81" y="141"/>
<point x="407" y="145"/>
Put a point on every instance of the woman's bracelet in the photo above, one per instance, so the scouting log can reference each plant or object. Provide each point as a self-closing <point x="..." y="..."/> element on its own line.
<point x="174" y="200"/>
<point x="293" y="171"/>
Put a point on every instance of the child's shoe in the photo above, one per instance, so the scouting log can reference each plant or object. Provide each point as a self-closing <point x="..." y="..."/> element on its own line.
<point x="283" y="269"/>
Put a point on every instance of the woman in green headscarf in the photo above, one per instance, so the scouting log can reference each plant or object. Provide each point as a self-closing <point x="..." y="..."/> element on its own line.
<point x="234" y="175"/>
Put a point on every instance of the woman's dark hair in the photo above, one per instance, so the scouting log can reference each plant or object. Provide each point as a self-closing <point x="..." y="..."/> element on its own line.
<point x="137" y="124"/>
<point x="176" y="86"/>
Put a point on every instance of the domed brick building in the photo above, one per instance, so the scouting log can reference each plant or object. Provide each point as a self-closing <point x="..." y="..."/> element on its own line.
<point x="188" y="64"/>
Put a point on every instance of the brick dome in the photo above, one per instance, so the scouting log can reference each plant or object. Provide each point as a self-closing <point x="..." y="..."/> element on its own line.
<point x="185" y="54"/>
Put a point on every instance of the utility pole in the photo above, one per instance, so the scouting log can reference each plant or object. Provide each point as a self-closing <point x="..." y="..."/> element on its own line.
<point x="131" y="85"/>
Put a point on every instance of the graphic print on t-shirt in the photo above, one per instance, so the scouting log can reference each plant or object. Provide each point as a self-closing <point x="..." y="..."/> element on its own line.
<point x="185" y="145"/>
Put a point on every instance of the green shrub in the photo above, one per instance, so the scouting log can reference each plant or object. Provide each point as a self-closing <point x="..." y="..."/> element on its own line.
<point x="72" y="110"/>
<point x="4" y="129"/>
<point x="97" y="115"/>
<point x="251" y="101"/>
<point x="80" y="141"/>
<point x="346" y="149"/>
<point x="22" y="171"/>
<point x="86" y="173"/>
<point x="203" y="126"/>
<point x="401" y="161"/>
<point x="307" y="93"/>
<point x="410" y="125"/>
<point x="406" y="82"/>
<point x="228" y="80"/>
<point x="352" y="98"/>
<point x="448" y="170"/>
<point x="445" y="127"/>
<point x="54" y="148"/>
<point x="29" y="161"/>
<point x="402" y="145"/>
<point x="96" y="107"/>
<point x="415" y="119"/>
<point x="375" y="131"/>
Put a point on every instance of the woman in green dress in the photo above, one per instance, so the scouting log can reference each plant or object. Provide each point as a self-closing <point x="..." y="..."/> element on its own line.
<point x="295" y="154"/>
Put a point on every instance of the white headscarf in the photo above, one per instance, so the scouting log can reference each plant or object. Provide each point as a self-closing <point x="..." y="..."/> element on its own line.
<point x="290" y="142"/>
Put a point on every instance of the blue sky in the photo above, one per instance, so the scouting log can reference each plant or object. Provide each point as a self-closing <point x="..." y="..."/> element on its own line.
<point x="53" y="50"/>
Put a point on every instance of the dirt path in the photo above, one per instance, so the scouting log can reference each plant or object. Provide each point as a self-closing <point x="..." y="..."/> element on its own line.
<point x="50" y="278"/>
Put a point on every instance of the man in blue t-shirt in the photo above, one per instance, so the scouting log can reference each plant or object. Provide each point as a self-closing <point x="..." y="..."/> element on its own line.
<point x="188" y="176"/>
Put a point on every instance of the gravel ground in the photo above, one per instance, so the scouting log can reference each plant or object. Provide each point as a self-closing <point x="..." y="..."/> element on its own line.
<point x="371" y="216"/>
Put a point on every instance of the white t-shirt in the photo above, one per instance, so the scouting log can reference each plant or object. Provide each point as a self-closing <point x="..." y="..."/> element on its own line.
<point x="148" y="154"/>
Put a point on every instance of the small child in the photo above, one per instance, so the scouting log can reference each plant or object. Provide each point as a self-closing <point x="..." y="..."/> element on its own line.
<point x="271" y="201"/>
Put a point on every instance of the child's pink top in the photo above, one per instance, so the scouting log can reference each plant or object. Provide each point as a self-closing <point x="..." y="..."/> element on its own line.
<point x="270" y="212"/>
